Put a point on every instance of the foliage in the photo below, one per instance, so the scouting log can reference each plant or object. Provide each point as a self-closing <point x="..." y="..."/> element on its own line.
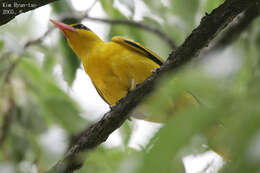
<point x="226" y="84"/>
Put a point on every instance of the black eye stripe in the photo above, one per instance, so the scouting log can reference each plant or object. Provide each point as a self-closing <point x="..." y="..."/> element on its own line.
<point x="80" y="26"/>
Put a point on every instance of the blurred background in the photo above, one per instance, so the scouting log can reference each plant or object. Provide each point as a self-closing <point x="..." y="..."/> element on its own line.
<point x="46" y="98"/>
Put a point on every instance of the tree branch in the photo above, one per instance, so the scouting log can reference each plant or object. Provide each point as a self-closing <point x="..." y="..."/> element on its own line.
<point x="7" y="118"/>
<point x="9" y="9"/>
<point x="200" y="37"/>
<point x="9" y="71"/>
<point x="38" y="40"/>
<point x="237" y="27"/>
<point x="143" y="26"/>
<point x="12" y="66"/>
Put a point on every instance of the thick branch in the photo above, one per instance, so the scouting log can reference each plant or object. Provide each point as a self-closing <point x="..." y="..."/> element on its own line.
<point x="237" y="27"/>
<point x="9" y="9"/>
<point x="200" y="37"/>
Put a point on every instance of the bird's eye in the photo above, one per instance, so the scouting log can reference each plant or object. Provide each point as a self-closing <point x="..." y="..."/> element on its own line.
<point x="80" y="26"/>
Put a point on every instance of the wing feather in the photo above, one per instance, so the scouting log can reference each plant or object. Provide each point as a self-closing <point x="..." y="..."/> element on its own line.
<point x="100" y="93"/>
<point x="139" y="48"/>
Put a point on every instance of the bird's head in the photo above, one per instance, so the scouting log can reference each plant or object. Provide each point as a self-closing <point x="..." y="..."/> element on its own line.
<point x="80" y="37"/>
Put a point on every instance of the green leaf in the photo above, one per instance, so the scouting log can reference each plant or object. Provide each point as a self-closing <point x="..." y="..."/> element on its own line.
<point x="156" y="7"/>
<point x="129" y="32"/>
<point x="48" y="63"/>
<point x="236" y="140"/>
<point x="125" y="132"/>
<point x="69" y="62"/>
<point x="49" y="60"/>
<point x="1" y="45"/>
<point x="151" y="41"/>
<point x="176" y="32"/>
<point x="20" y="146"/>
<point x="108" y="7"/>
<point x="109" y="160"/>
<point x="174" y="136"/>
<point x="30" y="118"/>
<point x="210" y="5"/>
<point x="59" y="7"/>
<point x="130" y="4"/>
<point x="54" y="104"/>
<point x="186" y="10"/>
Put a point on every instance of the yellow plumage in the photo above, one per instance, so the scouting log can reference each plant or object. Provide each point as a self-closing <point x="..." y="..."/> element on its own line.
<point x="114" y="67"/>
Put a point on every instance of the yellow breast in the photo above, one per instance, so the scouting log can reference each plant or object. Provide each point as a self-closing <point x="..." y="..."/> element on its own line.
<point x="113" y="67"/>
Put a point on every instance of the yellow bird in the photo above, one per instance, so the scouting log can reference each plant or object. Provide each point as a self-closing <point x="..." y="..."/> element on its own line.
<point x="114" y="67"/>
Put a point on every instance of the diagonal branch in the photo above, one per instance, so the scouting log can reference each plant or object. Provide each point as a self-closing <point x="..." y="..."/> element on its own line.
<point x="200" y="37"/>
<point x="9" y="9"/>
<point x="236" y="28"/>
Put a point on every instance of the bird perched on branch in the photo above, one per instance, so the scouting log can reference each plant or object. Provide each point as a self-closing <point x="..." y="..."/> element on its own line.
<point x="114" y="67"/>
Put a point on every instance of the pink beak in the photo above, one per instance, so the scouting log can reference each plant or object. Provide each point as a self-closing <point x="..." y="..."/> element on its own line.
<point x="63" y="27"/>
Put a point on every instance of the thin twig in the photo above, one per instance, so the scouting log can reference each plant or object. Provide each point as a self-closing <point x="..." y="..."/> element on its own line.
<point x="208" y="166"/>
<point x="5" y="55"/>
<point x="200" y="37"/>
<point x="233" y="32"/>
<point x="11" y="68"/>
<point x="140" y="25"/>
<point x="91" y="7"/>
<point x="38" y="40"/>
<point x="7" y="118"/>
<point x="144" y="26"/>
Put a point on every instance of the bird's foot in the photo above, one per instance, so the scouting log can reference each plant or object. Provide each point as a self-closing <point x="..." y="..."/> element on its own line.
<point x="156" y="70"/>
<point x="132" y="84"/>
<point x="112" y="107"/>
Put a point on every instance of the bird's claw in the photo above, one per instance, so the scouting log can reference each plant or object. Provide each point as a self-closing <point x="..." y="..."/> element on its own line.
<point x="155" y="70"/>
<point x="132" y="84"/>
<point x="112" y="107"/>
